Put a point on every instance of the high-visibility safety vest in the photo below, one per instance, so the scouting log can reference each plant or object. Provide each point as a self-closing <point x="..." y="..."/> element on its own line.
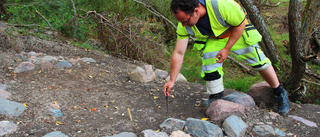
<point x="218" y="18"/>
<point x="223" y="15"/>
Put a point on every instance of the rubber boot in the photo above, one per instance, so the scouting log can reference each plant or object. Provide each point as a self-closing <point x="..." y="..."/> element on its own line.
<point x="213" y="97"/>
<point x="282" y="100"/>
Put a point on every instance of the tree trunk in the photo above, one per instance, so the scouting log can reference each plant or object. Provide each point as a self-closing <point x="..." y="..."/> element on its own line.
<point x="296" y="48"/>
<point x="308" y="21"/>
<point x="299" y="40"/>
<point x="267" y="44"/>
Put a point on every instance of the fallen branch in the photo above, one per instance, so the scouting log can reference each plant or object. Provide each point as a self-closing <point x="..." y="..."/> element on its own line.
<point x="309" y="58"/>
<point x="269" y="18"/>
<point x="272" y="5"/>
<point x="44" y="19"/>
<point x="312" y="74"/>
<point x="28" y="25"/>
<point x="316" y="29"/>
<point x="308" y="81"/>
<point x="294" y="91"/>
<point x="304" y="90"/>
<point x="248" y="70"/>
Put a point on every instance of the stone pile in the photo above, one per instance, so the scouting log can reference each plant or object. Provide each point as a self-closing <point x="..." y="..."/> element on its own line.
<point x="227" y="110"/>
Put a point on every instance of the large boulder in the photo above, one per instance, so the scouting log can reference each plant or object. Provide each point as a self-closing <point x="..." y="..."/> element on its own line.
<point x="240" y="98"/>
<point x="180" y="78"/>
<point x="143" y="75"/>
<point x="10" y="108"/>
<point x="262" y="94"/>
<point x="161" y="73"/>
<point x="220" y="109"/>
<point x="151" y="133"/>
<point x="173" y="124"/>
<point x="234" y="126"/>
<point x="124" y="134"/>
<point x="4" y="94"/>
<point x="24" y="66"/>
<point x="7" y="127"/>
<point x="179" y="134"/>
<point x="201" y="128"/>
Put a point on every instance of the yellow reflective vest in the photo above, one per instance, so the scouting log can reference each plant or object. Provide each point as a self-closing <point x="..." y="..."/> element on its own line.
<point x="223" y="14"/>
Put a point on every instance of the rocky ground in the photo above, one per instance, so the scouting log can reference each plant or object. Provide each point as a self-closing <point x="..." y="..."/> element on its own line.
<point x="94" y="98"/>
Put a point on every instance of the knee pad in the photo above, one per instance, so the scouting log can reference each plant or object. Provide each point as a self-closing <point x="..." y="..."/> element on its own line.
<point x="215" y="86"/>
<point x="261" y="67"/>
<point x="212" y="76"/>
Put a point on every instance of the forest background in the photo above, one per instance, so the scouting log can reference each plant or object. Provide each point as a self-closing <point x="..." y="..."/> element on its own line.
<point x="145" y="30"/>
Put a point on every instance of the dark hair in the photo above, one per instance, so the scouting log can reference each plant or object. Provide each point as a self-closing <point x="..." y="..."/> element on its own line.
<point x="186" y="6"/>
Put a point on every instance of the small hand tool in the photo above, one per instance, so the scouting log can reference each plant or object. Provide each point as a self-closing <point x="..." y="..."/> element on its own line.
<point x="167" y="105"/>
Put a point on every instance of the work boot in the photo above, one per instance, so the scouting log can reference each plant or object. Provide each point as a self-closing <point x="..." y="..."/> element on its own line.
<point x="213" y="97"/>
<point x="282" y="100"/>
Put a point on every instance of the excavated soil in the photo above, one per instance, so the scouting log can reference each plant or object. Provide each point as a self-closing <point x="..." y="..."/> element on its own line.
<point x="95" y="97"/>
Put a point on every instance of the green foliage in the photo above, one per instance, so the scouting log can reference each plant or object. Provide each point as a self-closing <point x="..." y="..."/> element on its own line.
<point x="59" y="13"/>
<point x="85" y="46"/>
<point x="53" y="11"/>
<point x="278" y="38"/>
<point x="242" y="84"/>
<point x="191" y="67"/>
<point x="317" y="102"/>
<point x="314" y="67"/>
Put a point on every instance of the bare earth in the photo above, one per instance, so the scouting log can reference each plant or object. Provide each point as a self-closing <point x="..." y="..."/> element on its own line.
<point x="95" y="97"/>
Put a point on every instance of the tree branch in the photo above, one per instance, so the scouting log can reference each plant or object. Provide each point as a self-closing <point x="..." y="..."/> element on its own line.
<point x="310" y="73"/>
<point x="304" y="80"/>
<point x="44" y="19"/>
<point x="107" y="22"/>
<point x="309" y="58"/>
<point x="268" y="3"/>
<point x="155" y="12"/>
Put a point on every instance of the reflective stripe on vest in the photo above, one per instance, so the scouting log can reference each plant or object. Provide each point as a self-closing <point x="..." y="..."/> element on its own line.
<point x="219" y="18"/>
<point x="189" y="30"/>
<point x="214" y="4"/>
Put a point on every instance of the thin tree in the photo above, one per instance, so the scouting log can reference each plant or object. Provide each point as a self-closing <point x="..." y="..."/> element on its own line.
<point x="300" y="31"/>
<point x="257" y="20"/>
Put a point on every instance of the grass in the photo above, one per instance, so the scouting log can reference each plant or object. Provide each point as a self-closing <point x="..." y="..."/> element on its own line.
<point x="191" y="67"/>
<point x="242" y="84"/>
